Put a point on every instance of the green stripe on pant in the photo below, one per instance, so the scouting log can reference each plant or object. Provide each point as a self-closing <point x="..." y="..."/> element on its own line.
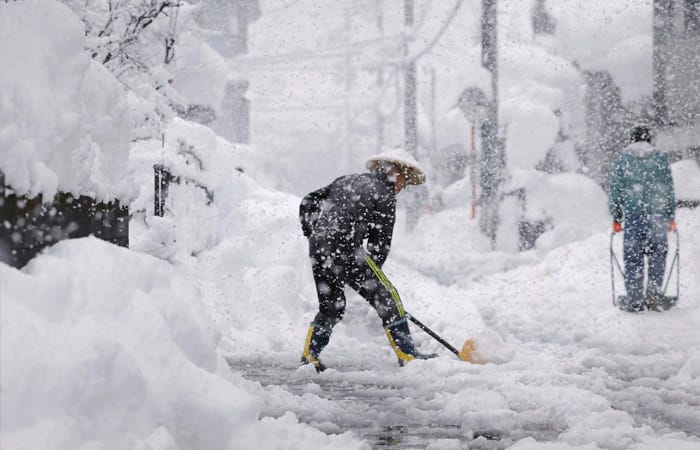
<point x="387" y="284"/>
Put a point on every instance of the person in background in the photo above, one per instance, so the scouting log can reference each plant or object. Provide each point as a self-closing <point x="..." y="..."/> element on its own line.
<point x="337" y="220"/>
<point x="642" y="201"/>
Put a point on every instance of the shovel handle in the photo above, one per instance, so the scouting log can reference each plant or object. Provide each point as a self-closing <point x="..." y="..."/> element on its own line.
<point x="433" y="334"/>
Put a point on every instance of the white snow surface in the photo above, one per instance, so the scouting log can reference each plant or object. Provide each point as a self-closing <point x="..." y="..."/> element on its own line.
<point x="108" y="348"/>
<point x="686" y="179"/>
<point x="64" y="119"/>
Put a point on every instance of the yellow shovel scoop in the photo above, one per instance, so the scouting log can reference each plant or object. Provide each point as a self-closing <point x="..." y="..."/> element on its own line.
<point x="468" y="351"/>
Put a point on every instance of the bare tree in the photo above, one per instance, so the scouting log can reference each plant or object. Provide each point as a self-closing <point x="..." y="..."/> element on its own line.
<point x="116" y="30"/>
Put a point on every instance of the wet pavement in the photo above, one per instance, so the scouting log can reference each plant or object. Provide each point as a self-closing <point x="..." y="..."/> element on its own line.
<point x="391" y="415"/>
<point x="388" y="417"/>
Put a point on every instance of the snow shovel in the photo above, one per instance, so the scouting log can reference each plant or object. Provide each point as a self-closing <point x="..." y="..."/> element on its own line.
<point x="665" y="302"/>
<point x="465" y="354"/>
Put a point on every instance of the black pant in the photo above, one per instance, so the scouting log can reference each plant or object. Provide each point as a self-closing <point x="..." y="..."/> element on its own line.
<point x="335" y="268"/>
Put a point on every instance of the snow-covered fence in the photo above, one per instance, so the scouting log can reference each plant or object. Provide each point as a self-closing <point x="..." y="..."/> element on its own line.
<point x="29" y="224"/>
<point x="162" y="178"/>
<point x="528" y="228"/>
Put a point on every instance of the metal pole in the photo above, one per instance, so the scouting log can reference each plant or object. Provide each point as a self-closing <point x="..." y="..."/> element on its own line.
<point x="348" y="87"/>
<point x="612" y="268"/>
<point x="662" y="31"/>
<point x="380" y="78"/>
<point x="493" y="157"/>
<point x="161" y="179"/>
<point x="433" y="103"/>
<point x="472" y="169"/>
<point x="410" y="132"/>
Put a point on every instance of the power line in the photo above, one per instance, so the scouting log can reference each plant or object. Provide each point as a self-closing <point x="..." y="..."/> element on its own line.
<point x="342" y="51"/>
<point x="442" y="30"/>
<point x="336" y="52"/>
<point x="283" y="8"/>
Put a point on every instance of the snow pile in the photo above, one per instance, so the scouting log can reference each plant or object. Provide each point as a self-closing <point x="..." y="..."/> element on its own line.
<point x="111" y="349"/>
<point x="539" y="95"/>
<point x="64" y="120"/>
<point x="573" y="206"/>
<point x="570" y="207"/>
<point x="603" y="35"/>
<point x="202" y="206"/>
<point x="686" y="179"/>
<point x="200" y="71"/>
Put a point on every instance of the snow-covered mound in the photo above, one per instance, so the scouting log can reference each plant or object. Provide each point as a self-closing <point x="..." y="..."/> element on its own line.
<point x="107" y="348"/>
<point x="686" y="179"/>
<point x="214" y="177"/>
<point x="449" y="244"/>
<point x="573" y="205"/>
<point x="64" y="119"/>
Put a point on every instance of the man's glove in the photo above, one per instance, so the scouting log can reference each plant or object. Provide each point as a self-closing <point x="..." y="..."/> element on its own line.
<point x="672" y="226"/>
<point x="617" y="227"/>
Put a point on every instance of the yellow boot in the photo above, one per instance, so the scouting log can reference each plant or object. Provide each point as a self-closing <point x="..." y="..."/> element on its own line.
<point x="402" y="343"/>
<point x="316" y="339"/>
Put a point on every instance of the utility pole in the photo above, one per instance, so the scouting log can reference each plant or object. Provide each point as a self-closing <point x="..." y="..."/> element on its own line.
<point x="348" y="129"/>
<point x="662" y="32"/>
<point x="410" y="131"/>
<point x="380" y="77"/>
<point x="493" y="152"/>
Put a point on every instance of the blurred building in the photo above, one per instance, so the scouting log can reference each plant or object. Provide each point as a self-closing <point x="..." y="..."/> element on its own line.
<point x="674" y="108"/>
<point x="676" y="78"/>
<point x="542" y="21"/>
<point x="607" y="126"/>
<point x="226" y="24"/>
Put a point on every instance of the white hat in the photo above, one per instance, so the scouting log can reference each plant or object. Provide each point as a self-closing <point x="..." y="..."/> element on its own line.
<point x="401" y="158"/>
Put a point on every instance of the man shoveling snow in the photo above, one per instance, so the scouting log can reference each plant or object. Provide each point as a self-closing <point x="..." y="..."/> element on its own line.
<point x="337" y="219"/>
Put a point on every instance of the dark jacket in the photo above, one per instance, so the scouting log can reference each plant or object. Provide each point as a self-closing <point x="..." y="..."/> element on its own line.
<point x="642" y="183"/>
<point x="352" y="208"/>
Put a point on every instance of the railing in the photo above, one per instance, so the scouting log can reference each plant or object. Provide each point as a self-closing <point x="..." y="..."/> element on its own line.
<point x="162" y="178"/>
<point x="528" y="230"/>
<point x="690" y="204"/>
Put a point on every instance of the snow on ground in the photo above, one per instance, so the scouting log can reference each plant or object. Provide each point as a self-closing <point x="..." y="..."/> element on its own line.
<point x="103" y="347"/>
<point x="565" y="366"/>
<point x="686" y="179"/>
<point x="108" y="348"/>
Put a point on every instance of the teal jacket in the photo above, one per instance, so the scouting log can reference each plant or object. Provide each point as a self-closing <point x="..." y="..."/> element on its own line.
<point x="642" y="183"/>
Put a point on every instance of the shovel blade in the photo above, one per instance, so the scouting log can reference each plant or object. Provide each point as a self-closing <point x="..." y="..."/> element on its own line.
<point x="468" y="352"/>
